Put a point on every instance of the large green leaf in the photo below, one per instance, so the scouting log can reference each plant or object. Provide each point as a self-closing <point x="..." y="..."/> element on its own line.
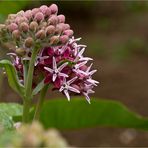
<point x="12" y="77"/>
<point x="79" y="114"/>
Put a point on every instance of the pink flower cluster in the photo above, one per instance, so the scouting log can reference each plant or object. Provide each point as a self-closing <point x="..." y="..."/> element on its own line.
<point x="65" y="68"/>
<point x="41" y="26"/>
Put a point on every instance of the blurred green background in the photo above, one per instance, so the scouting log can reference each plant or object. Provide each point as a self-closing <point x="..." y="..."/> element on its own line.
<point x="116" y="35"/>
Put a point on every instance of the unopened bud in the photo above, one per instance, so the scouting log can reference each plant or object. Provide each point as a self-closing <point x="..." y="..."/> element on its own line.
<point x="20" y="13"/>
<point x="53" y="20"/>
<point x="33" y="26"/>
<point x="12" y="27"/>
<point x="40" y="34"/>
<point x="11" y="16"/>
<point x="50" y="30"/>
<point x="43" y="9"/>
<point x="59" y="29"/>
<point x="28" y="14"/>
<point x="20" y="20"/>
<point x="29" y="42"/>
<point x="61" y="18"/>
<point x="68" y="32"/>
<point x="35" y="11"/>
<point x="54" y="40"/>
<point x="24" y="27"/>
<point x="65" y="26"/>
<point x="43" y="25"/>
<point x="20" y="51"/>
<point x="48" y="12"/>
<point x="39" y="16"/>
<point x="16" y="34"/>
<point x="54" y="8"/>
<point x="64" y="39"/>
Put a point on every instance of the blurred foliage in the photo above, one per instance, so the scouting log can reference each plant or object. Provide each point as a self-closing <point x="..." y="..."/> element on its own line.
<point x="7" y="111"/>
<point x="32" y="135"/>
<point x="7" y="7"/>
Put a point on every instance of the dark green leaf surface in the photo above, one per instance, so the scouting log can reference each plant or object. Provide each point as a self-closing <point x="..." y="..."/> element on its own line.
<point x="79" y="114"/>
<point x="12" y="77"/>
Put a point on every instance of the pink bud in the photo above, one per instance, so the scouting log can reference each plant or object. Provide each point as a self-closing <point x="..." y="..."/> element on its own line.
<point x="43" y="9"/>
<point x="53" y="20"/>
<point x="54" y="8"/>
<point x="59" y="29"/>
<point x="65" y="26"/>
<point x="50" y="30"/>
<point x="12" y="27"/>
<point x="40" y="34"/>
<point x="39" y="16"/>
<point x="28" y="14"/>
<point x="68" y="32"/>
<point x="16" y="34"/>
<point x="35" y="11"/>
<point x="24" y="27"/>
<point x="64" y="39"/>
<point x="61" y="18"/>
<point x="19" y="20"/>
<point x="48" y="12"/>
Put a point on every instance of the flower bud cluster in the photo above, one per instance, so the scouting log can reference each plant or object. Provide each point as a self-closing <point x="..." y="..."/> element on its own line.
<point x="41" y="26"/>
<point x="64" y="67"/>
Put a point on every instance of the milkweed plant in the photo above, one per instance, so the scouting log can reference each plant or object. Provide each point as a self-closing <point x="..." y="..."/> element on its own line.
<point x="44" y="54"/>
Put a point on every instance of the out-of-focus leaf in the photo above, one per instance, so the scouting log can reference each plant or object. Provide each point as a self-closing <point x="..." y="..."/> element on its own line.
<point x="12" y="77"/>
<point x="7" y="137"/>
<point x="7" y="111"/>
<point x="79" y="114"/>
<point x="7" y="7"/>
<point x="6" y="121"/>
<point x="11" y="109"/>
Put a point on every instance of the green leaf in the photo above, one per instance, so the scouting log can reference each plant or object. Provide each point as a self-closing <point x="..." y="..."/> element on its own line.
<point x="79" y="114"/>
<point x="12" y="77"/>
<point x="7" y="111"/>
<point x="11" y="109"/>
<point x="5" y="120"/>
<point x="38" y="88"/>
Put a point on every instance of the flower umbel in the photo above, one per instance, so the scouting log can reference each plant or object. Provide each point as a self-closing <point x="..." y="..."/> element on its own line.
<point x="44" y="52"/>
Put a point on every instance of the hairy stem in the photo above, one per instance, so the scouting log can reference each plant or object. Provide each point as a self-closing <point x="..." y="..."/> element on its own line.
<point x="40" y="102"/>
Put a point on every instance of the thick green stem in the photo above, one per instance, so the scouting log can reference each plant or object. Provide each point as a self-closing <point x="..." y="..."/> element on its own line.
<point x="40" y="102"/>
<point x="28" y="87"/>
<point x="28" y="76"/>
<point x="26" y="108"/>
